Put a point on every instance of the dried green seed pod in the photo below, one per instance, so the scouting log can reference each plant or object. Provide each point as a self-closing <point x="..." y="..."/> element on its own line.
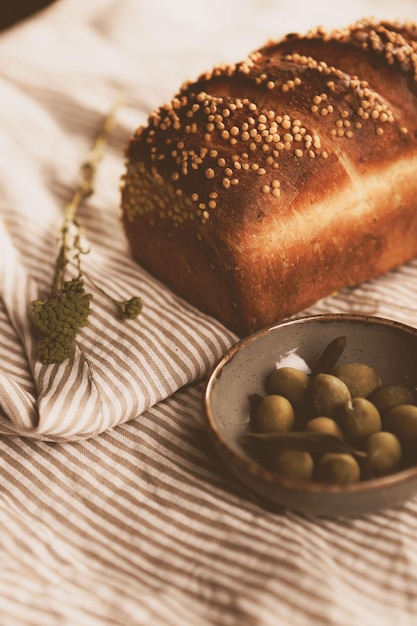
<point x="384" y="453"/>
<point x="295" y="464"/>
<point x="325" y="425"/>
<point x="339" y="469"/>
<point x="361" y="419"/>
<point x="330" y="395"/>
<point x="361" y="379"/>
<point x="291" y="383"/>
<point x="274" y="414"/>
<point x="386" y="398"/>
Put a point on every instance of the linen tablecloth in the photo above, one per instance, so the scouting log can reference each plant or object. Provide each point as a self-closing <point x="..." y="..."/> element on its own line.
<point x="114" y="508"/>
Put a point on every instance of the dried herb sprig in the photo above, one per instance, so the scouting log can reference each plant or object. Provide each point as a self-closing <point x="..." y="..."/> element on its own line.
<point x="128" y="309"/>
<point x="66" y="309"/>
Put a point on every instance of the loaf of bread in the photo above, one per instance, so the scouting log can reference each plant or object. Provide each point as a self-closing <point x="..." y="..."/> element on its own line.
<point x="266" y="185"/>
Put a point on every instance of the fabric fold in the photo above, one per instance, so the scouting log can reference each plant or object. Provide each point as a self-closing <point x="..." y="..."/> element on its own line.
<point x="118" y="369"/>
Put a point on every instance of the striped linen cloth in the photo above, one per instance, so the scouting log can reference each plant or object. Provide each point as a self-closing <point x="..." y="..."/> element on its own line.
<point x="114" y="508"/>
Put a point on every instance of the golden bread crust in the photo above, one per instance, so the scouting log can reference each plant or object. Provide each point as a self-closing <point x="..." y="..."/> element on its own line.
<point x="266" y="185"/>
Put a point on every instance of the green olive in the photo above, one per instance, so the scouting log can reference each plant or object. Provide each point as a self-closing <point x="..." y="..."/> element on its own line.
<point x="402" y="421"/>
<point x="274" y="414"/>
<point x="360" y="378"/>
<point x="291" y="383"/>
<point x="324" y="425"/>
<point x="330" y="395"/>
<point x="386" y="398"/>
<point x="338" y="468"/>
<point x="295" y="464"/>
<point x="384" y="453"/>
<point x="361" y="419"/>
<point x="337" y="425"/>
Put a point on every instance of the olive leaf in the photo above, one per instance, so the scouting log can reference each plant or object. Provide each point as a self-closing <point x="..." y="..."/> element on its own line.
<point x="313" y="442"/>
<point x="330" y="355"/>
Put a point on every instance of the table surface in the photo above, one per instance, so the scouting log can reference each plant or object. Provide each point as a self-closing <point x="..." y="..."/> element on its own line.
<point x="114" y="508"/>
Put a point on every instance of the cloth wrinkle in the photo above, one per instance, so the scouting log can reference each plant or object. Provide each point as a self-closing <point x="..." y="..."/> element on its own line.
<point x="114" y="506"/>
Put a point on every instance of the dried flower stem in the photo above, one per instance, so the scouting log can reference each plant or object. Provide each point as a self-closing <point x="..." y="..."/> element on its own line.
<point x="70" y="229"/>
<point x="67" y="308"/>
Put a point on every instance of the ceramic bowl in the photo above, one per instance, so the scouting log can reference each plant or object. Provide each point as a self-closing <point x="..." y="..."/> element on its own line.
<point x="388" y="346"/>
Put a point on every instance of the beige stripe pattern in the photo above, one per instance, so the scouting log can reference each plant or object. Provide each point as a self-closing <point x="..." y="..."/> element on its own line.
<point x="141" y="526"/>
<point x="114" y="508"/>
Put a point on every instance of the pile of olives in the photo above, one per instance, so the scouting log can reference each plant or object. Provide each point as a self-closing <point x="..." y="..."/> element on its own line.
<point x="338" y="424"/>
